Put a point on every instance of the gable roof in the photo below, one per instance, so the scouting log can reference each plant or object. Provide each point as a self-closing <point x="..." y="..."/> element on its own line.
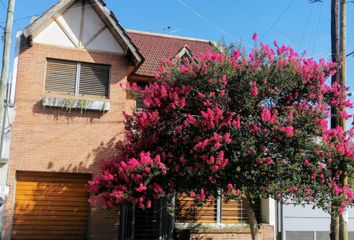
<point x="155" y="46"/>
<point x="108" y="18"/>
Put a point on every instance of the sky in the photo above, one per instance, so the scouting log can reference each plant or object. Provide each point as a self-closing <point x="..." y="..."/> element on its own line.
<point x="298" y="23"/>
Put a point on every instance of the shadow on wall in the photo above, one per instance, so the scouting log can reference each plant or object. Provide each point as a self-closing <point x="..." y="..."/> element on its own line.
<point x="54" y="205"/>
<point x="104" y="151"/>
<point x="190" y="234"/>
<point x="66" y="114"/>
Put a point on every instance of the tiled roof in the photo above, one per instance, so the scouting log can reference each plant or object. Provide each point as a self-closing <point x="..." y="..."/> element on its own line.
<point x="153" y="47"/>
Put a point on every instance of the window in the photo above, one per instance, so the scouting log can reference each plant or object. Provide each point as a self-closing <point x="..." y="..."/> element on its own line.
<point x="139" y="100"/>
<point x="77" y="78"/>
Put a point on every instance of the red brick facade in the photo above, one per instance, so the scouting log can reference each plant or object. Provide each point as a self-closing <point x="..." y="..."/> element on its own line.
<point x="58" y="140"/>
<point x="266" y="232"/>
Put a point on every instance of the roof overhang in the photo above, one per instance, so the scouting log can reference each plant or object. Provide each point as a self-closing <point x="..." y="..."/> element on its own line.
<point x="106" y="16"/>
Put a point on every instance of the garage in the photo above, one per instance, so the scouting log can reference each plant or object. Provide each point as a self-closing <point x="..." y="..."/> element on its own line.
<point x="51" y="206"/>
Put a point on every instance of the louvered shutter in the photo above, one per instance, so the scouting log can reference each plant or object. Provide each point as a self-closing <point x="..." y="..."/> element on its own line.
<point x="60" y="76"/>
<point x="94" y="79"/>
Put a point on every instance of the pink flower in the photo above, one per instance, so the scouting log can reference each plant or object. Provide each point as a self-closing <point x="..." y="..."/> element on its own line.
<point x="182" y="69"/>
<point x="192" y="194"/>
<point x="269" y="161"/>
<point x="229" y="186"/>
<point x="161" y="165"/>
<point x="266" y="115"/>
<point x="254" y="90"/>
<point x="255" y="128"/>
<point x="289" y="130"/>
<point x="236" y="123"/>
<point x="255" y="36"/>
<point x="141" y="188"/>
<point x="227" y="138"/>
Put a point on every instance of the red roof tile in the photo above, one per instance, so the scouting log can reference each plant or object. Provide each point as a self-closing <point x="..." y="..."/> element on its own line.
<point x="153" y="47"/>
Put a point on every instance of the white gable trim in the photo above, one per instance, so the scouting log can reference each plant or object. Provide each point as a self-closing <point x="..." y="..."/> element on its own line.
<point x="67" y="32"/>
<point x="117" y="31"/>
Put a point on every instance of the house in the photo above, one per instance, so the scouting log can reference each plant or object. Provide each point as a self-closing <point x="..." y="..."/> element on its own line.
<point x="69" y="66"/>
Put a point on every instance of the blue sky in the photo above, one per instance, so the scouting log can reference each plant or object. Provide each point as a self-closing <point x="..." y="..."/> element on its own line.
<point x="297" y="23"/>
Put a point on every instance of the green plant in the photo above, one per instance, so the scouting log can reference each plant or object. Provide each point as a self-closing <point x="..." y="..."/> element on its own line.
<point x="69" y="104"/>
<point x="83" y="104"/>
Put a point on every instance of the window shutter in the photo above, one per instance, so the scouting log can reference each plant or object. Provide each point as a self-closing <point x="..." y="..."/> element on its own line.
<point x="188" y="212"/>
<point x="60" y="76"/>
<point x="94" y="79"/>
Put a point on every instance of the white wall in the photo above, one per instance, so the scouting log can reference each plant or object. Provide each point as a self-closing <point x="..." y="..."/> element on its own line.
<point x="79" y="20"/>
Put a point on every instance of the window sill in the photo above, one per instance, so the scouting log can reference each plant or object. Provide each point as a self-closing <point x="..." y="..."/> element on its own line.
<point x="76" y="104"/>
<point x="213" y="226"/>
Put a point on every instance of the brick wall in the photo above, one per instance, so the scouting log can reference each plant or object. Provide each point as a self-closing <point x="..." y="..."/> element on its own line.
<point x="265" y="233"/>
<point x="56" y="140"/>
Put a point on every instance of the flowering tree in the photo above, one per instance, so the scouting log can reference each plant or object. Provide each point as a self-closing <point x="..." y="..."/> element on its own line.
<point x="246" y="126"/>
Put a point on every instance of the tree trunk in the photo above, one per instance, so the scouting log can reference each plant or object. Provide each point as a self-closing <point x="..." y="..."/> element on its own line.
<point x="334" y="234"/>
<point x="252" y="220"/>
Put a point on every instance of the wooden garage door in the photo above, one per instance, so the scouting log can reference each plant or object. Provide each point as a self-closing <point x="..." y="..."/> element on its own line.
<point x="50" y="206"/>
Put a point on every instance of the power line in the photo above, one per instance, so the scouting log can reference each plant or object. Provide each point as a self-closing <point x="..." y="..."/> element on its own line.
<point x="250" y="13"/>
<point x="4" y="6"/>
<point x="277" y="19"/>
<point x="306" y="25"/>
<point x="316" y="31"/>
<point x="211" y="23"/>
<point x="349" y="54"/>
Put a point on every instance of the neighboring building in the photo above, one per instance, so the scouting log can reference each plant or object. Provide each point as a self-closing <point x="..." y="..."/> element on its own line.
<point x="69" y="107"/>
<point x="305" y="223"/>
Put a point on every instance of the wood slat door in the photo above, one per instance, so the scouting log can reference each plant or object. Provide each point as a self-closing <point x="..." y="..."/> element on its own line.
<point x="188" y="212"/>
<point x="51" y="206"/>
<point x="233" y="211"/>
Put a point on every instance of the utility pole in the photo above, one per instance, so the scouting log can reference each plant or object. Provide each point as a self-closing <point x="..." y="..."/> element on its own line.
<point x="3" y="87"/>
<point x="334" y="228"/>
<point x="339" y="222"/>
<point x="343" y="228"/>
<point x="6" y="60"/>
<point x="6" y="56"/>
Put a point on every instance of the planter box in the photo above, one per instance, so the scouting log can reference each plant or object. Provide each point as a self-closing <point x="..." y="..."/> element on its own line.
<point x="76" y="104"/>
